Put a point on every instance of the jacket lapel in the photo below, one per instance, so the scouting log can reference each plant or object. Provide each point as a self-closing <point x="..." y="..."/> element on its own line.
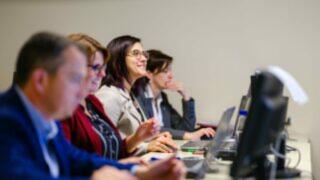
<point x="60" y="153"/>
<point x="133" y="108"/>
<point x="165" y="111"/>
<point x="146" y="105"/>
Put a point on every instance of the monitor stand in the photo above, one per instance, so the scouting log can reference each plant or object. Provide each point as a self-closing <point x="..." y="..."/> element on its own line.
<point x="282" y="171"/>
<point x="264" y="165"/>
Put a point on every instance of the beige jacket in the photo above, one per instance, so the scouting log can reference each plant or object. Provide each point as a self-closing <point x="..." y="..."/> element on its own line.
<point x="121" y="109"/>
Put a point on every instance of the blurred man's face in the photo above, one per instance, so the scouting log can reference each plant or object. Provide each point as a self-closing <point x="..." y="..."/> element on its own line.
<point x="65" y="89"/>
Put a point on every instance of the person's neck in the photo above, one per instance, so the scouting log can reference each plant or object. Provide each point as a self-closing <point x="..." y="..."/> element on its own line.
<point x="85" y="109"/>
<point x="155" y="90"/>
<point x="83" y="103"/>
<point x="128" y="83"/>
<point x="37" y="102"/>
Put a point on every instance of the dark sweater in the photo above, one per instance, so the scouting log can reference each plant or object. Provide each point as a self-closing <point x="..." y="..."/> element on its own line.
<point x="81" y="132"/>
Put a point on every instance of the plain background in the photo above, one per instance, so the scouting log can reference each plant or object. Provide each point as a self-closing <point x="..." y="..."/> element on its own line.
<point x="216" y="44"/>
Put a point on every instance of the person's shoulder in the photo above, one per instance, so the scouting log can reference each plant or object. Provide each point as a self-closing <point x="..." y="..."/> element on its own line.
<point x="7" y="96"/>
<point x="9" y="112"/>
<point x="12" y="118"/>
<point x="107" y="92"/>
<point x="12" y="111"/>
<point x="111" y="94"/>
<point x="9" y="104"/>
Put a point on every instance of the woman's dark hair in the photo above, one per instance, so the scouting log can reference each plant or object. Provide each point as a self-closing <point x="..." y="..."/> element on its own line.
<point x="157" y="62"/>
<point x="116" y="67"/>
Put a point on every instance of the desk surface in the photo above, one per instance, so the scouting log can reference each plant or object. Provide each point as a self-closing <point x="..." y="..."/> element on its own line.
<point x="301" y="144"/>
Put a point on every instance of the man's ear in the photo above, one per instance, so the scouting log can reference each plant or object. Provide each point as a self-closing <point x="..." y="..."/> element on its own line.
<point x="40" y="80"/>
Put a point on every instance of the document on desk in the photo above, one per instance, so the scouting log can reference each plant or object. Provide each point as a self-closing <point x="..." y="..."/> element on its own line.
<point x="296" y="91"/>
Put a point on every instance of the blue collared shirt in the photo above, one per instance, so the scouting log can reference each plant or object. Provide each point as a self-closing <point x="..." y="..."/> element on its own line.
<point x="46" y="131"/>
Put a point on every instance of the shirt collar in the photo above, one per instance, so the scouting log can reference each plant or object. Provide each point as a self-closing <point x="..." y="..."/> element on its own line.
<point x="46" y="129"/>
<point x="149" y="94"/>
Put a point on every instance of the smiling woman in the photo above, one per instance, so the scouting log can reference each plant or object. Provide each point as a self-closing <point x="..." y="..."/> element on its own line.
<point x="127" y="63"/>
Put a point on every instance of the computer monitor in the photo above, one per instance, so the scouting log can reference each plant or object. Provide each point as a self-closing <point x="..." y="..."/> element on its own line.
<point x="273" y="87"/>
<point x="257" y="136"/>
<point x="265" y="122"/>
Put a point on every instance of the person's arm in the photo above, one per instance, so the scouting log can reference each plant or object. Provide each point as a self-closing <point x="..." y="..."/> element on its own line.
<point x="185" y="122"/>
<point x="110" y="173"/>
<point x="169" y="168"/>
<point x="188" y="119"/>
<point x="189" y="114"/>
<point x="162" y="143"/>
<point x="83" y="163"/>
<point x="132" y="142"/>
<point x="176" y="133"/>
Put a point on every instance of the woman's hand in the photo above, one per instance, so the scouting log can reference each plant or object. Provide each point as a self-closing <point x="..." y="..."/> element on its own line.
<point x="147" y="130"/>
<point x="165" y="134"/>
<point x="169" y="169"/>
<point x="209" y="132"/>
<point x="163" y="144"/>
<point x="178" y="87"/>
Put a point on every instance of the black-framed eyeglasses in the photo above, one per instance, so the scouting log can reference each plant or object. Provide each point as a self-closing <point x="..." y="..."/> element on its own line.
<point x="97" y="67"/>
<point x="138" y="54"/>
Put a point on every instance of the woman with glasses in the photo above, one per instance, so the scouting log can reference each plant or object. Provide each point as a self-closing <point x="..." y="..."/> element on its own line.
<point x="127" y="64"/>
<point x="154" y="101"/>
<point x="89" y="127"/>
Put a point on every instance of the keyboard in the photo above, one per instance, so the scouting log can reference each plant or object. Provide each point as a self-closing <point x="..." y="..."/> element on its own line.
<point x="228" y="151"/>
<point x="227" y="145"/>
<point x="194" y="145"/>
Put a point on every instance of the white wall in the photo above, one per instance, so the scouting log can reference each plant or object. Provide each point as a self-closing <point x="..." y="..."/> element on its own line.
<point x="216" y="44"/>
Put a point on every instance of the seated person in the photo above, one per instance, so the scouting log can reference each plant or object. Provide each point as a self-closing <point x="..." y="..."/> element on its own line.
<point x="89" y="127"/>
<point x="154" y="101"/>
<point x="127" y="64"/>
<point x="48" y="85"/>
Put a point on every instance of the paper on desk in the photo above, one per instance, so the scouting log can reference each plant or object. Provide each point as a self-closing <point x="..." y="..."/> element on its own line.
<point x="296" y="91"/>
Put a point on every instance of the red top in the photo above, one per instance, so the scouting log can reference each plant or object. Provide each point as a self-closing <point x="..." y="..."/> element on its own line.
<point x="80" y="132"/>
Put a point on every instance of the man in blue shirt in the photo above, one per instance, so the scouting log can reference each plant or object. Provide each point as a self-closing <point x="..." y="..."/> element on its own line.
<point x="48" y="85"/>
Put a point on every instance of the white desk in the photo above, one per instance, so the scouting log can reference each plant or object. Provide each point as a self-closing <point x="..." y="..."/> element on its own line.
<point x="302" y="144"/>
